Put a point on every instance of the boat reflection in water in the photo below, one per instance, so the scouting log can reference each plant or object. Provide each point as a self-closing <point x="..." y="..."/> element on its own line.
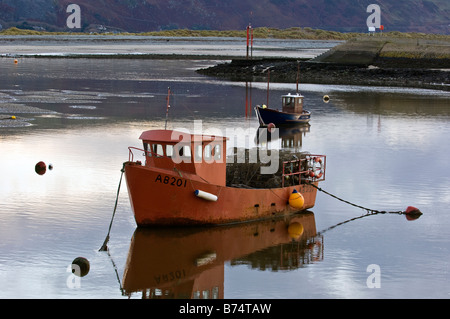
<point x="291" y="136"/>
<point x="189" y="262"/>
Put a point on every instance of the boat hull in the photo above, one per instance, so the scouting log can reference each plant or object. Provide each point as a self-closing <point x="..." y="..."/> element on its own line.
<point x="165" y="197"/>
<point x="267" y="116"/>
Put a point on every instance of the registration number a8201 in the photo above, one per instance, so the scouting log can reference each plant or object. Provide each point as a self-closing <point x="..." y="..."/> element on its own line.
<point x="170" y="180"/>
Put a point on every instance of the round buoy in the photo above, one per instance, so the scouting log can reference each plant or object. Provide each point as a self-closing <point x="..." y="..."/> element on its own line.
<point x="326" y="98"/>
<point x="412" y="210"/>
<point x="271" y="127"/>
<point x="296" y="200"/>
<point x="295" y="230"/>
<point x="13" y="117"/>
<point x="16" y="61"/>
<point x="80" y="266"/>
<point x="40" y="168"/>
<point x="412" y="213"/>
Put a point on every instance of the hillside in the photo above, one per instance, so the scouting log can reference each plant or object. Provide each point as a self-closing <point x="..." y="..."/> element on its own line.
<point x="428" y="16"/>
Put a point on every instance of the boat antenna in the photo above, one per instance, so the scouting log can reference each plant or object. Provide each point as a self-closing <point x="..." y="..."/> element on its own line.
<point x="298" y="74"/>
<point x="167" y="107"/>
<point x="268" y="81"/>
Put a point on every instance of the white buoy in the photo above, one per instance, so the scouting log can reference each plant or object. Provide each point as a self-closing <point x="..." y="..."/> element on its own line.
<point x="206" y="195"/>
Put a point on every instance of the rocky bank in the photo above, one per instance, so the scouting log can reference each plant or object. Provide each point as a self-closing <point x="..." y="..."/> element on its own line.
<point x="379" y="62"/>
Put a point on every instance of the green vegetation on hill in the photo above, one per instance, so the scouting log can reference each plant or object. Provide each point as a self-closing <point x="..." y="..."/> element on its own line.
<point x="291" y="33"/>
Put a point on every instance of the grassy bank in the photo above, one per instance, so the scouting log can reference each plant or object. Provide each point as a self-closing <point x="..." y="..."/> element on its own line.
<point x="262" y="33"/>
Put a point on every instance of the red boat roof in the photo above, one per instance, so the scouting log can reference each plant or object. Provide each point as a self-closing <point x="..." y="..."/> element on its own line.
<point x="176" y="136"/>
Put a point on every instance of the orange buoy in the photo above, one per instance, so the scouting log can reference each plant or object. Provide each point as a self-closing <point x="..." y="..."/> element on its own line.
<point x="296" y="200"/>
<point x="16" y="61"/>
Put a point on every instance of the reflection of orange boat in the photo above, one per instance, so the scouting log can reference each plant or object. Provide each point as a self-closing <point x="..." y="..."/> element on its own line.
<point x="189" y="262"/>
<point x="183" y="181"/>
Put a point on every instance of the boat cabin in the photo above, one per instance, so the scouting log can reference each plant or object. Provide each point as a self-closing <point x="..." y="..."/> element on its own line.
<point x="292" y="103"/>
<point x="202" y="155"/>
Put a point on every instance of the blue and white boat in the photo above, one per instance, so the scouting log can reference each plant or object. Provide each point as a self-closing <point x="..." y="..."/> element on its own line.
<point x="292" y="112"/>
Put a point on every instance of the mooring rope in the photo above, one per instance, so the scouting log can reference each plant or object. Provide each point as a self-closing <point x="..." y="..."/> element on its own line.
<point x="104" y="246"/>
<point x="369" y="210"/>
<point x="413" y="212"/>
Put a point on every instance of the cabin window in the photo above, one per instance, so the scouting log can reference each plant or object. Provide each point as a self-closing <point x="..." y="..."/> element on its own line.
<point x="169" y="150"/>
<point x="148" y="149"/>
<point x="289" y="102"/>
<point x="185" y="151"/>
<point x="198" y="153"/>
<point x="146" y="152"/>
<point x="213" y="152"/>
<point x="157" y="150"/>
<point x="181" y="153"/>
<point x="217" y="152"/>
<point x="208" y="151"/>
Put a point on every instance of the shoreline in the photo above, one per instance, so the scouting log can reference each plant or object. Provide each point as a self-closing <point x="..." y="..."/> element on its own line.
<point x="118" y="47"/>
<point x="285" y="71"/>
<point x="373" y="61"/>
<point x="407" y="63"/>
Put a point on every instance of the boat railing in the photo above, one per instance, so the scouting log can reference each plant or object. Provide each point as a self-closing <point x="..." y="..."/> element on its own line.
<point x="131" y="154"/>
<point x="145" y="153"/>
<point x="308" y="169"/>
<point x="168" y="160"/>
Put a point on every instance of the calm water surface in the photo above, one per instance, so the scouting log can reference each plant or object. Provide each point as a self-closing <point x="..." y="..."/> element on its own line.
<point x="386" y="149"/>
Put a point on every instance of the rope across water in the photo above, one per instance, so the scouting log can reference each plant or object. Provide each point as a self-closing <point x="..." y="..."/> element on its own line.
<point x="369" y="210"/>
<point x="411" y="212"/>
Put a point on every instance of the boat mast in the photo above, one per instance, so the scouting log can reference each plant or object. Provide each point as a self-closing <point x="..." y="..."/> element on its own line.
<point x="268" y="82"/>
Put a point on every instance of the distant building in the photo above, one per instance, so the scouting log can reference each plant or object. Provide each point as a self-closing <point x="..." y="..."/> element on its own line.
<point x="38" y="28"/>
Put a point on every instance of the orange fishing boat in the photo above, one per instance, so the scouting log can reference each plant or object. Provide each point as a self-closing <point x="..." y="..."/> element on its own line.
<point x="182" y="180"/>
